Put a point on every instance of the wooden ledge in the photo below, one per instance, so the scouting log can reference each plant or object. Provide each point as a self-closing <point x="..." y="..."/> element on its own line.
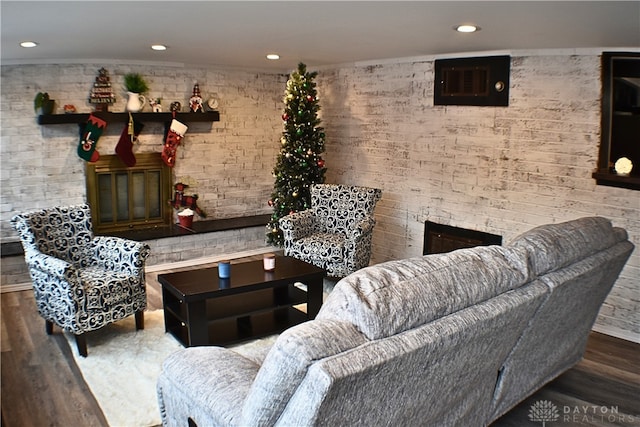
<point x="175" y="230"/>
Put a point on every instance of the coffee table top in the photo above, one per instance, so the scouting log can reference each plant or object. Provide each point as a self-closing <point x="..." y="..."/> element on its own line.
<point x="202" y="283"/>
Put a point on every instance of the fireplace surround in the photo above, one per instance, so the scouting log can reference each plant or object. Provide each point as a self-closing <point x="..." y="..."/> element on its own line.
<point x="440" y="238"/>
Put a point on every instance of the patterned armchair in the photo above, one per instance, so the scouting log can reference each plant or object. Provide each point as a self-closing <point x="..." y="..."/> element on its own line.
<point x="335" y="233"/>
<point x="81" y="282"/>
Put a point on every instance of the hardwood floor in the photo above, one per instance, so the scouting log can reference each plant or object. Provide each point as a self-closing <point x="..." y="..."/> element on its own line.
<point x="42" y="386"/>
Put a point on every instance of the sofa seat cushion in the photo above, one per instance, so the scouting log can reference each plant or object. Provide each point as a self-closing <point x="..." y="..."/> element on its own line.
<point x="396" y="296"/>
<point x="107" y="289"/>
<point x="554" y="246"/>
<point x="324" y="247"/>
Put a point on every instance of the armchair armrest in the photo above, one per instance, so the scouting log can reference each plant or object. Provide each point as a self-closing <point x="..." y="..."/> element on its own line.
<point x="118" y="254"/>
<point x="297" y="225"/>
<point x="50" y="265"/>
<point x="358" y="244"/>
<point x="362" y="228"/>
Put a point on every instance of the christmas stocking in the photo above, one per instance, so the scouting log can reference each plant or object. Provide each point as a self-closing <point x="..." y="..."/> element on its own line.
<point x="174" y="138"/>
<point x="124" y="149"/>
<point x="89" y="140"/>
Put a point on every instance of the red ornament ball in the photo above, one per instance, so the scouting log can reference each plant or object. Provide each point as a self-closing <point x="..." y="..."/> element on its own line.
<point x="270" y="202"/>
<point x="285" y="117"/>
<point x="309" y="98"/>
<point x="321" y="163"/>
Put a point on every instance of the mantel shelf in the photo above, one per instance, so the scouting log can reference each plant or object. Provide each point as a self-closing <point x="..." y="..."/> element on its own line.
<point x="56" y="119"/>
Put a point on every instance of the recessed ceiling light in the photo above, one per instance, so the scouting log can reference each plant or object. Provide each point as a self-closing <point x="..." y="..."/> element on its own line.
<point x="28" y="44"/>
<point x="467" y="28"/>
<point x="273" y="56"/>
<point x="158" y="47"/>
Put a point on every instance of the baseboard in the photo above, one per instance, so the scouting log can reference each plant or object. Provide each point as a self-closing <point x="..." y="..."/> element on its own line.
<point x="166" y="266"/>
<point x="615" y="332"/>
<point x="16" y="287"/>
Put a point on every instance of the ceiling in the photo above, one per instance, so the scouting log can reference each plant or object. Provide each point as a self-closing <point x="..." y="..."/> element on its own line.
<point x="318" y="33"/>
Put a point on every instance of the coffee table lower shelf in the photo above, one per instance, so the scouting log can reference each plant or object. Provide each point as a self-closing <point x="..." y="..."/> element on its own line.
<point x="242" y="328"/>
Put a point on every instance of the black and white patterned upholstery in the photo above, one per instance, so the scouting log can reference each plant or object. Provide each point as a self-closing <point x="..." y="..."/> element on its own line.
<point x="81" y="282"/>
<point x="335" y="233"/>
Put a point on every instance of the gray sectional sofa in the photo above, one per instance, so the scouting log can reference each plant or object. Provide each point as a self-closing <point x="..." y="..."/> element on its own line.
<point x="453" y="339"/>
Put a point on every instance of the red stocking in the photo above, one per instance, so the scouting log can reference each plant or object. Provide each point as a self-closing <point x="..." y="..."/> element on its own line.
<point x="174" y="138"/>
<point x="124" y="149"/>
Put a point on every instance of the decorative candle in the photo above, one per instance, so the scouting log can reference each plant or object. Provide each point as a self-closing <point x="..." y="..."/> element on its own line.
<point x="224" y="269"/>
<point x="269" y="262"/>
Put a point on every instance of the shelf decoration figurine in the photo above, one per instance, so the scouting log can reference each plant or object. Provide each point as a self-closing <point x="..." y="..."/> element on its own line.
<point x="181" y="200"/>
<point x="195" y="102"/>
<point x="135" y="86"/>
<point x="101" y="93"/>
<point x="155" y="105"/>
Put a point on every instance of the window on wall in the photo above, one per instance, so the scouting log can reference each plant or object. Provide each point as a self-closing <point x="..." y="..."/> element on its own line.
<point x="620" y="129"/>
<point x="125" y="198"/>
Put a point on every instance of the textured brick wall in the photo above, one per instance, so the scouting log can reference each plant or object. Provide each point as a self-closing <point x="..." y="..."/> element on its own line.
<point x="502" y="170"/>
<point x="227" y="163"/>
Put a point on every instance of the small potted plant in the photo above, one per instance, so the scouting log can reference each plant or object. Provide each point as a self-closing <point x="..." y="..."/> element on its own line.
<point x="43" y="103"/>
<point x="135" y="83"/>
<point x="136" y="86"/>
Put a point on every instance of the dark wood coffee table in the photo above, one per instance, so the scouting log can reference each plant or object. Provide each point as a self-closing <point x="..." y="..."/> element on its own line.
<point x="201" y="309"/>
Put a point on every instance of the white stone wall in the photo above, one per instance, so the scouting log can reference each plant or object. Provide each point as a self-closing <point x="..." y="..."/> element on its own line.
<point x="502" y="170"/>
<point x="227" y="163"/>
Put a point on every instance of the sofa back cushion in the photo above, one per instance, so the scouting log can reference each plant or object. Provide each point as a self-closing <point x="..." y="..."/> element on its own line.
<point x="439" y="374"/>
<point x="286" y="365"/>
<point x="396" y="296"/>
<point x="554" y="246"/>
<point x="338" y="208"/>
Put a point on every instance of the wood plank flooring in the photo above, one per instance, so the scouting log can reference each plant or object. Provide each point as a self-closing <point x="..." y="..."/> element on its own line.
<point x="42" y="386"/>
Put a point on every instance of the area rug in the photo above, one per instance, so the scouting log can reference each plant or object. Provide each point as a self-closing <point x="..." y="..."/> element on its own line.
<point x="123" y="365"/>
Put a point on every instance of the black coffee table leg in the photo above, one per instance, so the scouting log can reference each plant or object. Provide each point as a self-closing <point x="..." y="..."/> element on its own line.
<point x="314" y="297"/>
<point x="197" y="323"/>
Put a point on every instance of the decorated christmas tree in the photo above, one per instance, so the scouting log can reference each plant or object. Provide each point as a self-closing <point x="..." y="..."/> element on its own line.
<point x="299" y="163"/>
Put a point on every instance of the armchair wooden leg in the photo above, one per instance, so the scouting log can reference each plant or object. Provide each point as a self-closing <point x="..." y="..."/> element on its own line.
<point x="48" y="326"/>
<point x="139" y="319"/>
<point x="81" y="342"/>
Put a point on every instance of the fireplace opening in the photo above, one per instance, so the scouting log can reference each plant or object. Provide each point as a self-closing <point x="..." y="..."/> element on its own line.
<point x="128" y="198"/>
<point x="440" y="238"/>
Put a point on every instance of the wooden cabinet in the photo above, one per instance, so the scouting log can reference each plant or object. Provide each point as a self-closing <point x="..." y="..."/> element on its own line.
<point x="620" y="131"/>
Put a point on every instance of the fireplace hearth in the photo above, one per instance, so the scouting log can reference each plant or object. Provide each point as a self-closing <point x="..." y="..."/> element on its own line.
<point x="440" y="238"/>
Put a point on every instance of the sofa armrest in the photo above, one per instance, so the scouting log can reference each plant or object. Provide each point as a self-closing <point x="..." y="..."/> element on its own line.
<point x="297" y="225"/>
<point x="118" y="254"/>
<point x="207" y="384"/>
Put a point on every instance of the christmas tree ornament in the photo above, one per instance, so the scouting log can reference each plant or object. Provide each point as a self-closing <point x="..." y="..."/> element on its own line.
<point x="174" y="138"/>
<point x="129" y="135"/>
<point x="89" y="139"/>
